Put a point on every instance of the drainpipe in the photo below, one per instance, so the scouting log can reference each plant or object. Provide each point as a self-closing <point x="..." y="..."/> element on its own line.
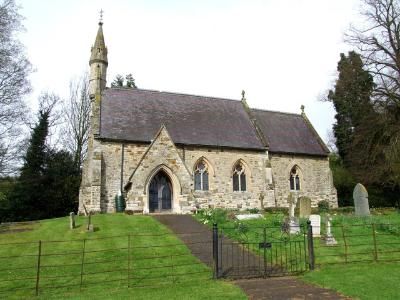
<point x="122" y="176"/>
<point x="122" y="167"/>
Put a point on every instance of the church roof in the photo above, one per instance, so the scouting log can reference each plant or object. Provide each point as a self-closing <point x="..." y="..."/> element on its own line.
<point x="289" y="133"/>
<point x="137" y="115"/>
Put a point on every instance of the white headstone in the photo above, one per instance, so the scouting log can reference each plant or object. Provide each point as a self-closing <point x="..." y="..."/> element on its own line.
<point x="316" y="225"/>
<point x="329" y="239"/>
<point x="360" y="196"/>
<point x="294" y="226"/>
<point x="249" y="216"/>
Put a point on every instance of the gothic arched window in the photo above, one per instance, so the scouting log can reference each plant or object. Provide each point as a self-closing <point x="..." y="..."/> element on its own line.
<point x="201" y="177"/>
<point x="239" y="177"/>
<point x="294" y="179"/>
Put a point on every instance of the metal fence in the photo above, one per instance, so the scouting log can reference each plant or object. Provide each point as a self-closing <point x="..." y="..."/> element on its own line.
<point x="134" y="261"/>
<point x="376" y="242"/>
<point x="259" y="251"/>
<point x="149" y="260"/>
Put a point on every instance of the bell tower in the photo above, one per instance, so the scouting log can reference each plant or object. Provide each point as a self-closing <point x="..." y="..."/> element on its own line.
<point x="98" y="62"/>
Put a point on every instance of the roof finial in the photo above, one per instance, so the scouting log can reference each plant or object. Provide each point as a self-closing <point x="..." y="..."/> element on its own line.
<point x="243" y="95"/>
<point x="302" y="109"/>
<point x="101" y="17"/>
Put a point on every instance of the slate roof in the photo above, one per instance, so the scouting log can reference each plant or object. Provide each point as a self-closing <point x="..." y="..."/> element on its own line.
<point x="288" y="133"/>
<point x="137" y="115"/>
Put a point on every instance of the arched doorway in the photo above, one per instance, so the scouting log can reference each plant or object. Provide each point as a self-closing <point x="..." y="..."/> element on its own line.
<point x="160" y="193"/>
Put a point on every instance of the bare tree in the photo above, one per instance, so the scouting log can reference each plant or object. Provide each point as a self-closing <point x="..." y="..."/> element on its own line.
<point x="376" y="146"/>
<point x="14" y="85"/>
<point x="378" y="42"/>
<point x="75" y="132"/>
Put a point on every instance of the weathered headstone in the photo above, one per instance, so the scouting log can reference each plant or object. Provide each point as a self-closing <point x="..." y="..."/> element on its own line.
<point x="329" y="238"/>
<point x="360" y="196"/>
<point x="305" y="207"/>
<point x="316" y="225"/>
<point x="71" y="220"/>
<point x="89" y="224"/>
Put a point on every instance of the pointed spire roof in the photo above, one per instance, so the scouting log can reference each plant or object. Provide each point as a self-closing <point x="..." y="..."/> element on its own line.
<point x="99" y="49"/>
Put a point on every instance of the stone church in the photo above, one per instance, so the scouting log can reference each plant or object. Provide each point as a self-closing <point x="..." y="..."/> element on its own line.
<point x="172" y="152"/>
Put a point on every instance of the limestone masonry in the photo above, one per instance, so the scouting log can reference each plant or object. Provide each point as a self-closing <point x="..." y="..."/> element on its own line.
<point x="168" y="152"/>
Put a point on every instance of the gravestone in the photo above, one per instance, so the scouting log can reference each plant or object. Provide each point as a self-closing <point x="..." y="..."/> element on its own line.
<point x="316" y="225"/>
<point x="305" y="207"/>
<point x="360" y="196"/>
<point x="249" y="217"/>
<point x="89" y="224"/>
<point x="71" y="220"/>
<point x="329" y="238"/>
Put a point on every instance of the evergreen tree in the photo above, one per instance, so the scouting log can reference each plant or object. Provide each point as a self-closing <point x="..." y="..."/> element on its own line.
<point x="27" y="197"/>
<point x="61" y="181"/>
<point x="130" y="81"/>
<point x="118" y="81"/>
<point x="49" y="182"/>
<point x="351" y="99"/>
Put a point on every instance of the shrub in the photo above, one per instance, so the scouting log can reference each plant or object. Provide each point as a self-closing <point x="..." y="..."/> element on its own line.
<point x="323" y="206"/>
<point x="254" y="210"/>
<point x="277" y="210"/>
<point x="216" y="215"/>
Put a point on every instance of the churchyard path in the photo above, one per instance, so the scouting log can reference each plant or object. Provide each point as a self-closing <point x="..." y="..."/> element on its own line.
<point x="198" y="238"/>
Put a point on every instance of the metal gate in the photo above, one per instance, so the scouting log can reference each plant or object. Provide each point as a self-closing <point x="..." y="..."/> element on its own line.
<point x="260" y="256"/>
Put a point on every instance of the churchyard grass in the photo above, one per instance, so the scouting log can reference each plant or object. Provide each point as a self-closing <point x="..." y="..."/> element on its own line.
<point x="370" y="273"/>
<point x="106" y="261"/>
<point x="367" y="281"/>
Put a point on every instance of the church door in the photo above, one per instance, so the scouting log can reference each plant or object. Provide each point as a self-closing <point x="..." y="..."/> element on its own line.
<point x="160" y="193"/>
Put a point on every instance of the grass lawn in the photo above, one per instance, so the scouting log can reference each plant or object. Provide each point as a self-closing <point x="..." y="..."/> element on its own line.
<point x="154" y="262"/>
<point x="363" y="281"/>
<point x="366" y="280"/>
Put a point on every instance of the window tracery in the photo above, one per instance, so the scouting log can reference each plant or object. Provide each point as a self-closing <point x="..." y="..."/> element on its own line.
<point x="201" y="177"/>
<point x="239" y="177"/>
<point x="294" y="179"/>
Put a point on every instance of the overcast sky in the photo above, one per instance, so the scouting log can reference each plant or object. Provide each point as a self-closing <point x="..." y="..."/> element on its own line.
<point x="282" y="53"/>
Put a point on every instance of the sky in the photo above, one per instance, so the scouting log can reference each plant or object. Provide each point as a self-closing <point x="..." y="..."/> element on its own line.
<point x="284" y="54"/>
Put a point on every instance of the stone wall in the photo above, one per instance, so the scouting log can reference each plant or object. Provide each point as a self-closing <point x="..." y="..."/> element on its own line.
<point x="267" y="179"/>
<point x="315" y="178"/>
<point x="221" y="164"/>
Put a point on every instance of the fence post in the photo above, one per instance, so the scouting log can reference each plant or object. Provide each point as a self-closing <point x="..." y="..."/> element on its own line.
<point x="375" y="246"/>
<point x="38" y="268"/>
<point x="215" y="250"/>
<point x="311" y="257"/>
<point x="82" y="262"/>
<point x="345" y="244"/>
<point x="129" y="259"/>
<point x="264" y="248"/>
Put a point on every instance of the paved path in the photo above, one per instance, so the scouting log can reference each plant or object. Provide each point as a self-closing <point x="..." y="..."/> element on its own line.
<point x="198" y="238"/>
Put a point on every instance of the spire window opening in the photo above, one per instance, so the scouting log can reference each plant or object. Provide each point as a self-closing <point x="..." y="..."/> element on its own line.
<point x="201" y="177"/>
<point x="239" y="178"/>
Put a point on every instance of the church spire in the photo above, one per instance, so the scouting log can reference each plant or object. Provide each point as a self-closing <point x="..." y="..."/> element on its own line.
<point x="98" y="61"/>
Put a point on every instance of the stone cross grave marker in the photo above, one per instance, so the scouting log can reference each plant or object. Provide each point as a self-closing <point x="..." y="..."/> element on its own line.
<point x="71" y="220"/>
<point x="305" y="207"/>
<point x="294" y="226"/>
<point x="316" y="225"/>
<point x="329" y="239"/>
<point x="360" y="196"/>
